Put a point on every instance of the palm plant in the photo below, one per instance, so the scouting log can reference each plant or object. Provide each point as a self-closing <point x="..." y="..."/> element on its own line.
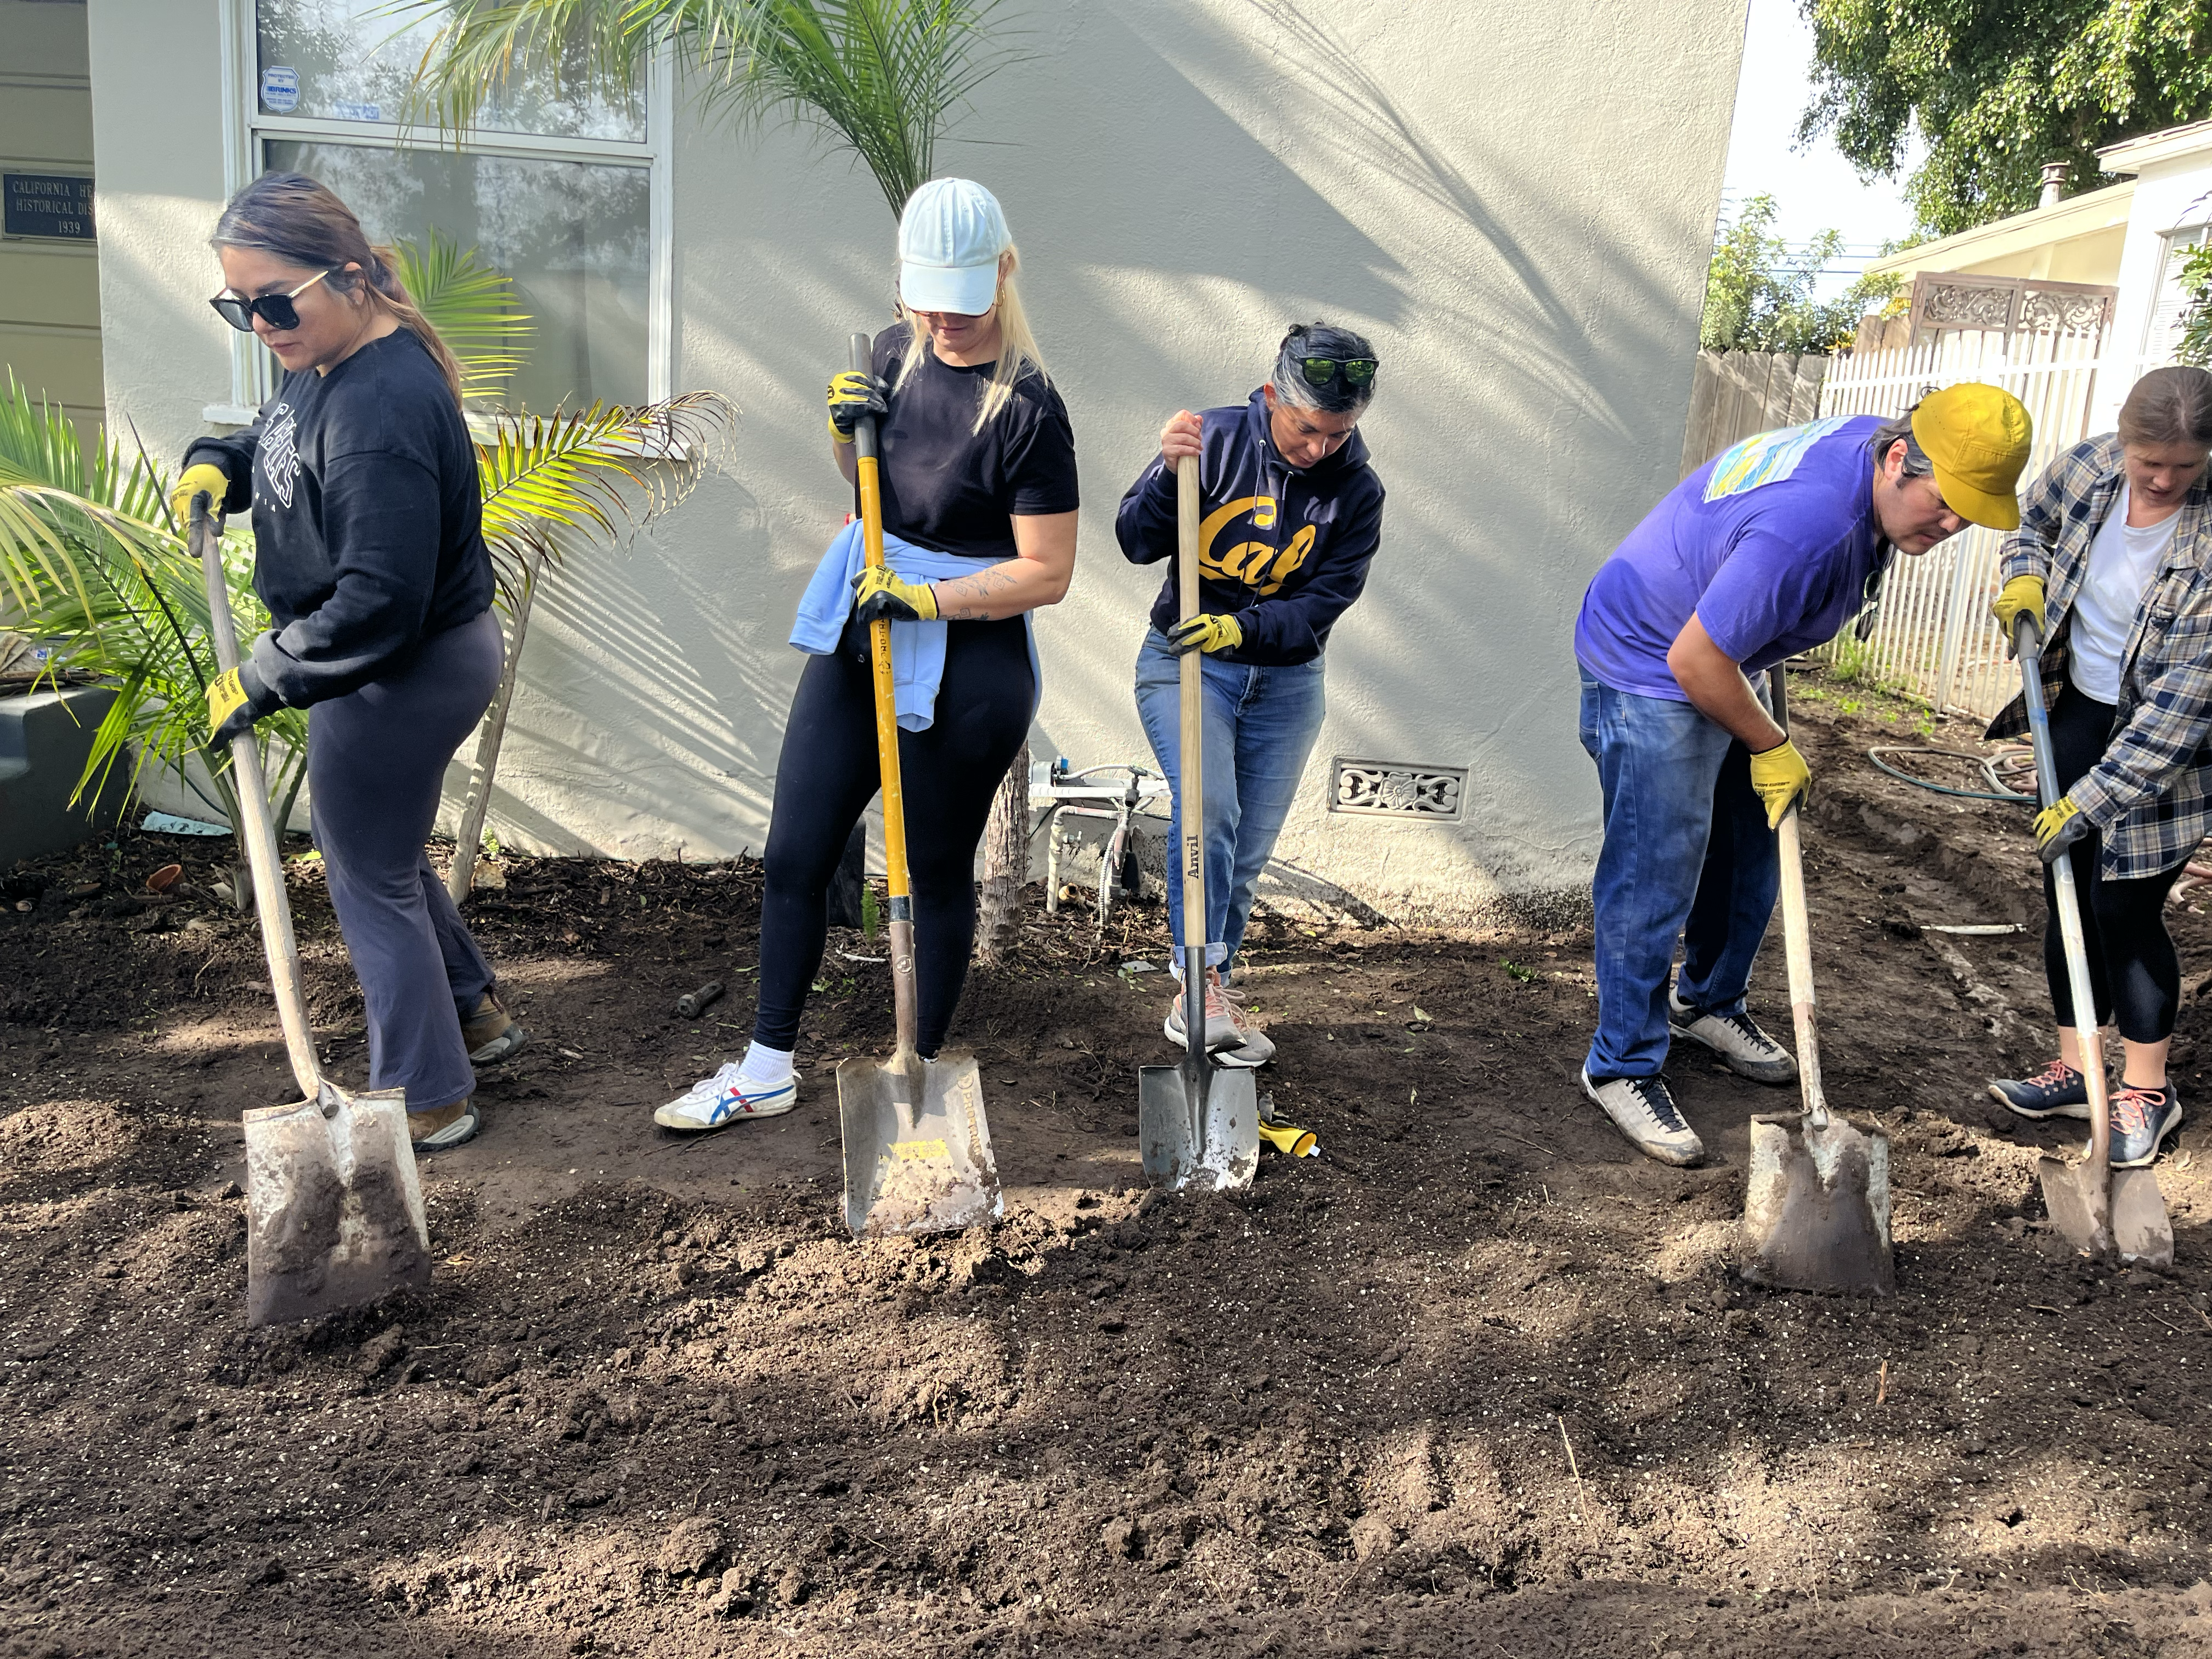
<point x="880" y="78"/>
<point x="472" y="305"/>
<point x="90" y="560"/>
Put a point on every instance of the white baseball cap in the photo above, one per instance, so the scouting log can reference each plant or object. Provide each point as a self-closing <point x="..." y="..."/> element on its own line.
<point x="950" y="239"/>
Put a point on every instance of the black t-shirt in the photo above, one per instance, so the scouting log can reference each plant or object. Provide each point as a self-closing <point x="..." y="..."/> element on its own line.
<point x="367" y="518"/>
<point x="951" y="488"/>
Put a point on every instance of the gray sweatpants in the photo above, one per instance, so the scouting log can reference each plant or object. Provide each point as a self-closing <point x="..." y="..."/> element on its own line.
<point x="375" y="758"/>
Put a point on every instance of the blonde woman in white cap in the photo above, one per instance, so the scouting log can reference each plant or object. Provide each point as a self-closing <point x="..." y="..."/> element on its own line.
<point x="978" y="476"/>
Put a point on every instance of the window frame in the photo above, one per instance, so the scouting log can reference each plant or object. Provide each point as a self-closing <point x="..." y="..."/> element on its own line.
<point x="2194" y="231"/>
<point x="246" y="126"/>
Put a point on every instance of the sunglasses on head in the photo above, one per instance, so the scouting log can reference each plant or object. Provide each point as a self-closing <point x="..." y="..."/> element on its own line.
<point x="1321" y="371"/>
<point x="277" y="308"/>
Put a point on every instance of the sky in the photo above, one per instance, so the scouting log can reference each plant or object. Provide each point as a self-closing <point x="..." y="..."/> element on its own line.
<point x="1815" y="189"/>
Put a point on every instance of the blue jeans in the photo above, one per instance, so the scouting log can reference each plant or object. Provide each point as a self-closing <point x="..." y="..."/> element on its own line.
<point x="1688" y="854"/>
<point x="1261" y="724"/>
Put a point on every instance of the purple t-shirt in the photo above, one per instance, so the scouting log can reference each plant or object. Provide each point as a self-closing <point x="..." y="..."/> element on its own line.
<point x="1771" y="544"/>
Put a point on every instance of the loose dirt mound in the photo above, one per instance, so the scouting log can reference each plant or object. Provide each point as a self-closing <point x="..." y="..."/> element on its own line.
<point x="1477" y="1380"/>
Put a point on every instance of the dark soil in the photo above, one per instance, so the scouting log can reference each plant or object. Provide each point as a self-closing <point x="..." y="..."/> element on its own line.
<point x="1479" y="1380"/>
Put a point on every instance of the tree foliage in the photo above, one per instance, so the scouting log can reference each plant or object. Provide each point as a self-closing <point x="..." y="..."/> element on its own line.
<point x="1997" y="88"/>
<point x="2195" y="346"/>
<point x="1759" y="294"/>
<point x="878" y="77"/>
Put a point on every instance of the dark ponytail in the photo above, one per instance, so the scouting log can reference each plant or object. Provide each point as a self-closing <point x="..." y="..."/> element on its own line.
<point x="303" y="223"/>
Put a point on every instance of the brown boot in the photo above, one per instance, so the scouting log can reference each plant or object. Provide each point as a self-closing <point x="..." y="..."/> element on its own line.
<point x="489" y="1034"/>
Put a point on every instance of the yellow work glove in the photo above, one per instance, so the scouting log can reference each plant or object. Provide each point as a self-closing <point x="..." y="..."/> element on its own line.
<point x="202" y="475"/>
<point x="230" y="707"/>
<point x="1207" y="634"/>
<point x="2057" y="827"/>
<point x="853" y="394"/>
<point x="1286" y="1138"/>
<point x="880" y="596"/>
<point x="2021" y="594"/>
<point x="1780" y="776"/>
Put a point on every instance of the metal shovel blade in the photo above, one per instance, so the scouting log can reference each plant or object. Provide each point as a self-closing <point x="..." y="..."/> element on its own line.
<point x="1205" y="1135"/>
<point x="2128" y="1217"/>
<point x="1816" y="1207"/>
<point x="334" y="1206"/>
<point x="917" y="1149"/>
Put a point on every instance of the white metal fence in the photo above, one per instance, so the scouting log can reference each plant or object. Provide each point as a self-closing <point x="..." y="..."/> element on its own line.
<point x="1934" y="636"/>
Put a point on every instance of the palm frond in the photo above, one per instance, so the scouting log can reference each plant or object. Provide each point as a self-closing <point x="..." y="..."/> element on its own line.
<point x="480" y="46"/>
<point x="881" y="78"/>
<point x="471" y="303"/>
<point x="596" y="470"/>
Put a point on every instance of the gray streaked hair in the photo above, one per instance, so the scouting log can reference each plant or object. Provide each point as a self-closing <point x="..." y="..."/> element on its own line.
<point x="1320" y="340"/>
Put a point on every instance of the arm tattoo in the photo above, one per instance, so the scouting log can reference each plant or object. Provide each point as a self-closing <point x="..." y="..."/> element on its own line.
<point x="968" y="598"/>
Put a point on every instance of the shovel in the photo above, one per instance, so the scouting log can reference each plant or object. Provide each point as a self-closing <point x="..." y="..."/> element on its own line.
<point x="334" y="1207"/>
<point x="1197" y="1125"/>
<point x="2099" y="1209"/>
<point x="917" y="1150"/>
<point x="1816" y="1201"/>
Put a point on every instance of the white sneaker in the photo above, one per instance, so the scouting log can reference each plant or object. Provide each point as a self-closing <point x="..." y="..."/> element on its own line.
<point x="1747" y="1051"/>
<point x="1222" y="1031"/>
<point x="1642" y="1109"/>
<point x="725" y="1098"/>
<point x="1256" y="1048"/>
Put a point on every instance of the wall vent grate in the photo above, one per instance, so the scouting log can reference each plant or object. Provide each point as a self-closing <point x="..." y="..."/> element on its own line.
<point x="1398" y="789"/>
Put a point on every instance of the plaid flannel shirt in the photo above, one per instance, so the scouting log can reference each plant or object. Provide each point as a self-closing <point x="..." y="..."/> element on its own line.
<point x="2150" y="797"/>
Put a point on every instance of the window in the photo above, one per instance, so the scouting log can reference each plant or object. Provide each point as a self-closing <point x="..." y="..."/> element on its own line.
<point x="565" y="193"/>
<point x="2163" y="331"/>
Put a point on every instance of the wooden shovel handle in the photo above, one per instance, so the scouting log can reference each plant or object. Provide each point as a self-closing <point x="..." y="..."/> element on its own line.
<point x="255" y="831"/>
<point x="1797" y="934"/>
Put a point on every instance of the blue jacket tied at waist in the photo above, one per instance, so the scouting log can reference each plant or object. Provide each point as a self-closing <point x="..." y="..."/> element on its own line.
<point x="917" y="647"/>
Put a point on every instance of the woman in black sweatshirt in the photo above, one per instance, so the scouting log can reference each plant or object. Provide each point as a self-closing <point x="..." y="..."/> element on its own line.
<point x="369" y="554"/>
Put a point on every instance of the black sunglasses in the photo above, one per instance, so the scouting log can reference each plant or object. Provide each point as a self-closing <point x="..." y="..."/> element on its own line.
<point x="1320" y="371"/>
<point x="276" y="307"/>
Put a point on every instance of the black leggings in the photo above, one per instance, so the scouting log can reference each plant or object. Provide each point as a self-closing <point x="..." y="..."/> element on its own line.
<point x="826" y="778"/>
<point x="2133" y="971"/>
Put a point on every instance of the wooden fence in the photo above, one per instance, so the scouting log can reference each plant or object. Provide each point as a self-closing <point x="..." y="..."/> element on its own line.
<point x="1738" y="393"/>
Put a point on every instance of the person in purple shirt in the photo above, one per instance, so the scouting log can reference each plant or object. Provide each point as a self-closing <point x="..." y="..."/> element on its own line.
<point x="1766" y="551"/>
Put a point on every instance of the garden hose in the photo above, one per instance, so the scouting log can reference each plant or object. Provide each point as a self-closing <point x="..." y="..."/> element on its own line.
<point x="1997" y="793"/>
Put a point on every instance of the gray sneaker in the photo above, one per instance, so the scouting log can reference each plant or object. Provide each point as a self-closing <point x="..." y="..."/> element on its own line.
<point x="1747" y="1050"/>
<point x="1642" y="1109"/>
<point x="1255" y="1049"/>
<point x="1222" y="1029"/>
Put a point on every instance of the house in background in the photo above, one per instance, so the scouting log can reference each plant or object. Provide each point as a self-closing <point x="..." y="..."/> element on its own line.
<point x="2095" y="276"/>
<point x="1186" y="177"/>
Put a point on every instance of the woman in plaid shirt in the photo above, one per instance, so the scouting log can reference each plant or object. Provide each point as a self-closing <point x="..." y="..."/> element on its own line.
<point x="2113" y="559"/>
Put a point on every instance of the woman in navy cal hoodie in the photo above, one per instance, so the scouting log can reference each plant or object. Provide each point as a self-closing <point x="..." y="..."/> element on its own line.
<point x="1291" y="514"/>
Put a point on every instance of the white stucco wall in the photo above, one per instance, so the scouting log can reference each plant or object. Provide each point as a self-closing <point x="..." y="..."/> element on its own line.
<point x="1516" y="202"/>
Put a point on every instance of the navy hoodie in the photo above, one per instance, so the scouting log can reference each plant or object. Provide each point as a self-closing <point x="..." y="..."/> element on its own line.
<point x="368" y="520"/>
<point x="1283" y="552"/>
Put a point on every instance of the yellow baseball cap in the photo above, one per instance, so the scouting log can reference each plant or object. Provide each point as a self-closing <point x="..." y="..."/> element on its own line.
<point x="1977" y="435"/>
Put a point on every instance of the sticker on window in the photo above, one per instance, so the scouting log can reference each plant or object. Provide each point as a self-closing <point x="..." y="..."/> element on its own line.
<point x="1767" y="459"/>
<point x="346" y="111"/>
<point x="280" y="90"/>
